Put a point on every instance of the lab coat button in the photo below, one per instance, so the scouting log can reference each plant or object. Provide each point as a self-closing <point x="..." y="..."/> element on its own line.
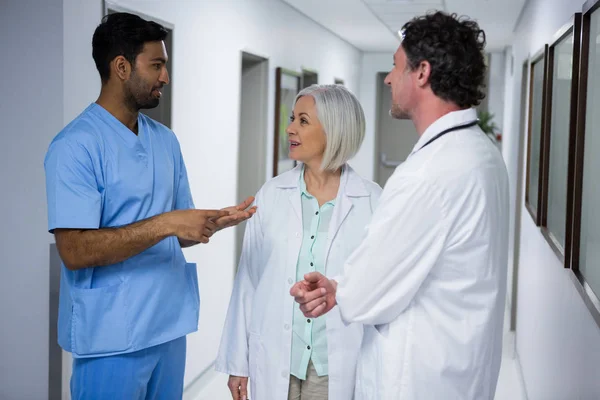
<point x="287" y="327"/>
<point x="290" y="281"/>
<point x="284" y="374"/>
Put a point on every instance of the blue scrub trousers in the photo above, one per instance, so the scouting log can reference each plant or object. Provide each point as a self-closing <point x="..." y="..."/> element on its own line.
<point x="155" y="373"/>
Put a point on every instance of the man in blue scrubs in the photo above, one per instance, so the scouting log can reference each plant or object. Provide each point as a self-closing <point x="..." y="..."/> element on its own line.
<point x="120" y="207"/>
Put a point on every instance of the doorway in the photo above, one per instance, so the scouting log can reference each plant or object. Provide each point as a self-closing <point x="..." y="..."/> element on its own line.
<point x="253" y="132"/>
<point x="395" y="138"/>
<point x="309" y="77"/>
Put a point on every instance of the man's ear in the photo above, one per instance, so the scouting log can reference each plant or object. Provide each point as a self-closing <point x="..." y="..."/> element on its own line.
<point x="121" y="68"/>
<point x="424" y="73"/>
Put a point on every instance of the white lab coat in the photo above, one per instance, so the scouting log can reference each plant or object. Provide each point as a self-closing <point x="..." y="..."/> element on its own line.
<point x="257" y="336"/>
<point x="429" y="280"/>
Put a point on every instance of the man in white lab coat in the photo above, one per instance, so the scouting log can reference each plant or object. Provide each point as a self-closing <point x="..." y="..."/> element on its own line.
<point x="429" y="280"/>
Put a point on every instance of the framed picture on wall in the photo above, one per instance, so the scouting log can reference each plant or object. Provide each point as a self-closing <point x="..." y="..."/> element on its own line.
<point x="287" y="87"/>
<point x="338" y="81"/>
<point x="559" y="145"/>
<point x="585" y="246"/>
<point x="535" y="136"/>
<point x="309" y="77"/>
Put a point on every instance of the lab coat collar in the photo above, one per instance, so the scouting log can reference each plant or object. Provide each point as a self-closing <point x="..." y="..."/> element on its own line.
<point x="450" y="120"/>
<point x="350" y="182"/>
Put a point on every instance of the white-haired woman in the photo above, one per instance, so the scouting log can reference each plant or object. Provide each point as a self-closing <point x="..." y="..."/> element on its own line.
<point x="308" y="219"/>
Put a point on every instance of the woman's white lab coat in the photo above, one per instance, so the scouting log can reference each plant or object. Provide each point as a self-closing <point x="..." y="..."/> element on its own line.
<point x="257" y="336"/>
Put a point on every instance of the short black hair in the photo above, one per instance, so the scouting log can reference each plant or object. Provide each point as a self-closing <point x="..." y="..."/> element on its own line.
<point x="122" y="34"/>
<point x="454" y="47"/>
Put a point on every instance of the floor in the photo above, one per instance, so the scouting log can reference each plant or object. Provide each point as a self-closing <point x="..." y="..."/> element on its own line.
<point x="509" y="382"/>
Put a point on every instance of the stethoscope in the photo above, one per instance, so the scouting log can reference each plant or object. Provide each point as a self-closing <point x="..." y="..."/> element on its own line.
<point x="454" y="128"/>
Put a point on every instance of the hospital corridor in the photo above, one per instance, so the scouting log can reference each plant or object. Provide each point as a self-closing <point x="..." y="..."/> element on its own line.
<point x="233" y="81"/>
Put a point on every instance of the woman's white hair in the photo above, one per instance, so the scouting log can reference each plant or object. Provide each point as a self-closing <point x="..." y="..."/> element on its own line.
<point x="343" y="121"/>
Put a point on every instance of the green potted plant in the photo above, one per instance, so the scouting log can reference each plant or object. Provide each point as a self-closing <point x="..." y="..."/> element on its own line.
<point x="486" y="123"/>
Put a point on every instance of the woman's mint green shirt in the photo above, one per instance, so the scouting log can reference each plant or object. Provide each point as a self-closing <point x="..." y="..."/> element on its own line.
<point x="309" y="340"/>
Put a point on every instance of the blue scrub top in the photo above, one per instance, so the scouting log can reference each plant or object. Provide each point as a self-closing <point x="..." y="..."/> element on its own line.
<point x="99" y="174"/>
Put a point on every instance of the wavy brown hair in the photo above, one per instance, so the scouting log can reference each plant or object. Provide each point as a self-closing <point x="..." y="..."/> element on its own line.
<point x="454" y="47"/>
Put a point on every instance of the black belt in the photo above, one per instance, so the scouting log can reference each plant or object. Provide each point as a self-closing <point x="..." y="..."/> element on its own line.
<point x="456" y="128"/>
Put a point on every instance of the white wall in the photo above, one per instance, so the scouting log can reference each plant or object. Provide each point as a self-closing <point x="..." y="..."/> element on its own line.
<point x="558" y="342"/>
<point x="31" y="110"/>
<point x="81" y="81"/>
<point x="371" y="65"/>
<point x="496" y="87"/>
<point x="209" y="37"/>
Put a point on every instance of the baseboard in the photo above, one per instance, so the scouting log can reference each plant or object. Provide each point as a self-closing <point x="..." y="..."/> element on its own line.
<point x="194" y="388"/>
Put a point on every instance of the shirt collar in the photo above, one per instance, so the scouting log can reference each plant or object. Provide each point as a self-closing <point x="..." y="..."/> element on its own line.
<point x="450" y="120"/>
<point x="351" y="184"/>
<point x="302" y="184"/>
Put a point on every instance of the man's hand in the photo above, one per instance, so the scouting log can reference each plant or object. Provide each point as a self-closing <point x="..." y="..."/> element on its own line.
<point x="235" y="214"/>
<point x="315" y="294"/>
<point x="84" y="248"/>
<point x="238" y="385"/>
<point x="193" y="226"/>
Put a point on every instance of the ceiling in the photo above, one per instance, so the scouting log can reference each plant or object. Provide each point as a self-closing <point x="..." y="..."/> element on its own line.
<point x="372" y="25"/>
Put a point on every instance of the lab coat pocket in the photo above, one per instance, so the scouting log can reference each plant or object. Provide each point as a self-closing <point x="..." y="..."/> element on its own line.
<point x="192" y="278"/>
<point x="101" y="322"/>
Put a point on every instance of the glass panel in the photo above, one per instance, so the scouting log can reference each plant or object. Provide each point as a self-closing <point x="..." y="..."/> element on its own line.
<point x="559" y="139"/>
<point x="536" y="133"/>
<point x="289" y="90"/>
<point x="590" y="208"/>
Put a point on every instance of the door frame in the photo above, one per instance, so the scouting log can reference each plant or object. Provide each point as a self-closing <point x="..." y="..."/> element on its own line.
<point x="519" y="192"/>
<point x="111" y="5"/>
<point x="264" y="128"/>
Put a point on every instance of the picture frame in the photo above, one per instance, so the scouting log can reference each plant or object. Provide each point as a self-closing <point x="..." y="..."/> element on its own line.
<point x="536" y="133"/>
<point x="585" y="287"/>
<point x="560" y="135"/>
<point x="309" y="77"/>
<point x="287" y="87"/>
